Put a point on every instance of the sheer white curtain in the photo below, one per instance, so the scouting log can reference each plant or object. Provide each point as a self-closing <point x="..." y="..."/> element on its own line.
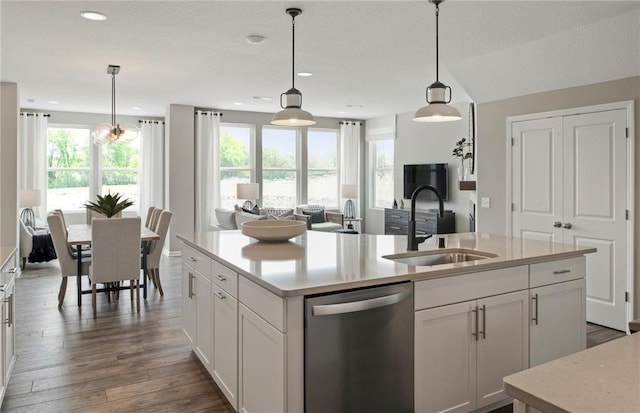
<point x="350" y="155"/>
<point x="207" y="127"/>
<point x="151" y="182"/>
<point x="33" y="155"/>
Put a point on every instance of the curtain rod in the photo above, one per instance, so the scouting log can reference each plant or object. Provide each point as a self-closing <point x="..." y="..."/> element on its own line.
<point x="150" y="121"/>
<point x="46" y="115"/>
<point x="206" y="111"/>
<point x="347" y="122"/>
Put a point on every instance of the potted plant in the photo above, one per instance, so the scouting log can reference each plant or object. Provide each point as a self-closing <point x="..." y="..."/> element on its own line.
<point x="461" y="151"/>
<point x="109" y="205"/>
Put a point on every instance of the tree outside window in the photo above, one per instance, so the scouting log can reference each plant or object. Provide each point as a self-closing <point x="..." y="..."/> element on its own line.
<point x="235" y="161"/>
<point x="120" y="169"/>
<point x="279" y="167"/>
<point x="68" y="168"/>
<point x="382" y="179"/>
<point x="322" y="167"/>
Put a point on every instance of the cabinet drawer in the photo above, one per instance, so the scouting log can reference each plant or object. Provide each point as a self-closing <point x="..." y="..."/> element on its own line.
<point x="263" y="302"/>
<point x="458" y="288"/>
<point x="197" y="260"/>
<point x="552" y="272"/>
<point x="225" y="278"/>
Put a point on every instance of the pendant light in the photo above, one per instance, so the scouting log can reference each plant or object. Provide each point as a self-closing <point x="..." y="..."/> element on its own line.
<point x="437" y="109"/>
<point x="292" y="113"/>
<point x="110" y="132"/>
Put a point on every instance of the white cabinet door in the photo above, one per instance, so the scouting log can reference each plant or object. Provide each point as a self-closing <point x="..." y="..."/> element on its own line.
<point x="188" y="303"/>
<point x="204" y="320"/>
<point x="225" y="348"/>
<point x="557" y="321"/>
<point x="2" y="363"/>
<point x="8" y="319"/>
<point x="503" y="343"/>
<point x="261" y="365"/>
<point x="445" y="359"/>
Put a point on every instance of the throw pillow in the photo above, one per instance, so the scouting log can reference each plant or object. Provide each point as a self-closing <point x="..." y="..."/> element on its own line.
<point x="226" y="218"/>
<point x="285" y="214"/>
<point x="317" y="217"/>
<point x="255" y="210"/>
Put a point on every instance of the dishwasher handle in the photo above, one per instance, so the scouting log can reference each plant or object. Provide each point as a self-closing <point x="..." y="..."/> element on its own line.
<point x="363" y="305"/>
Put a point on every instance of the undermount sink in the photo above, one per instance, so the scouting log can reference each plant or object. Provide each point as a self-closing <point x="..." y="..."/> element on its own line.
<point x="437" y="257"/>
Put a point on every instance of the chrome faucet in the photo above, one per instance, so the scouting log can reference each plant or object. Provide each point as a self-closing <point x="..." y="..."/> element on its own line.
<point x="412" y="240"/>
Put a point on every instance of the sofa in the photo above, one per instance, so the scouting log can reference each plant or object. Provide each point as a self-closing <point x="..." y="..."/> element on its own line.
<point x="233" y="219"/>
<point x="35" y="245"/>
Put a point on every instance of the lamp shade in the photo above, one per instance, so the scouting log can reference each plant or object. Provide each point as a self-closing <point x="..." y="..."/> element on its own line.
<point x="437" y="112"/>
<point x="30" y="198"/>
<point x="247" y="191"/>
<point x="349" y="191"/>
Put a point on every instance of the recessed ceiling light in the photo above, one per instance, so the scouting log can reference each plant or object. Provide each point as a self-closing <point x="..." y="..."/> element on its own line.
<point x="238" y="103"/>
<point x="137" y="108"/>
<point x="262" y="98"/>
<point x="30" y="100"/>
<point x="53" y="102"/>
<point x="354" y="106"/>
<point x="93" y="15"/>
<point x="342" y="112"/>
<point x="255" y="39"/>
<point x="305" y="74"/>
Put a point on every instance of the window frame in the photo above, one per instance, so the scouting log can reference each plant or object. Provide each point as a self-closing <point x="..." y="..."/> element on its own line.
<point x="374" y="169"/>
<point x="252" y="152"/>
<point x="298" y="163"/>
<point x="337" y="168"/>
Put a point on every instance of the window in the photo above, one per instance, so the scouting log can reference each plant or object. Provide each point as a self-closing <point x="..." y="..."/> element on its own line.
<point x="322" y="167"/>
<point x="68" y="167"/>
<point x="279" y="167"/>
<point x="236" y="160"/>
<point x="73" y="177"/>
<point x="120" y="169"/>
<point x="382" y="179"/>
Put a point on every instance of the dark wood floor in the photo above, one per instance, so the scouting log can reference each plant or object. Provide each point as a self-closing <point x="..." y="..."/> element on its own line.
<point x="121" y="362"/>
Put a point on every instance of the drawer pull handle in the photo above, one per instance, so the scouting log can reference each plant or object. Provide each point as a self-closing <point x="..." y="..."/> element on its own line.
<point x="192" y="259"/>
<point x="557" y="272"/>
<point x="484" y="321"/>
<point x="396" y="216"/>
<point x="475" y="316"/>
<point x="221" y="277"/>
<point x="394" y="227"/>
<point x="220" y="296"/>
<point x="535" y="316"/>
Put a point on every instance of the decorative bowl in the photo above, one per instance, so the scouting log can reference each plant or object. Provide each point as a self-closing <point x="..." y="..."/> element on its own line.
<point x="273" y="230"/>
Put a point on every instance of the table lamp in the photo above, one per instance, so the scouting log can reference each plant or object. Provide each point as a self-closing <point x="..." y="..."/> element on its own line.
<point x="349" y="191"/>
<point x="29" y="198"/>
<point x="249" y="191"/>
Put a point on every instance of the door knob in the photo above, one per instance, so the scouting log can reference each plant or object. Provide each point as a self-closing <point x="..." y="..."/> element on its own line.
<point x="557" y="224"/>
<point x="566" y="225"/>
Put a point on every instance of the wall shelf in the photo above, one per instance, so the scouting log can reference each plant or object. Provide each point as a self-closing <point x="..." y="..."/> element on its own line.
<point x="467" y="185"/>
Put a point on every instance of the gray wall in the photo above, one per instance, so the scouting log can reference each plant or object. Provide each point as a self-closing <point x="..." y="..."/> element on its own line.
<point x="8" y="164"/>
<point x="422" y="142"/>
<point x="492" y="148"/>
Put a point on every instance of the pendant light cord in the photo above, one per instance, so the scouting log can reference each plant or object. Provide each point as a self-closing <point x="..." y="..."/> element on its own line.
<point x="293" y="53"/>
<point x="113" y="100"/>
<point x="437" y="65"/>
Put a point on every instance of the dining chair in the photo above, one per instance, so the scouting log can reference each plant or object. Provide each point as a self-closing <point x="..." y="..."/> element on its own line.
<point x="116" y="254"/>
<point x="66" y="257"/>
<point x="153" y="221"/>
<point x="154" y="251"/>
<point x="86" y="249"/>
<point x="149" y="215"/>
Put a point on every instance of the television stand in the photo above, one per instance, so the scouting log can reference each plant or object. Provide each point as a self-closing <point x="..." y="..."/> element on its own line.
<point x="396" y="221"/>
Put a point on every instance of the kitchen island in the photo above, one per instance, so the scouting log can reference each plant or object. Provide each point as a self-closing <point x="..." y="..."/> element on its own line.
<point x="243" y="310"/>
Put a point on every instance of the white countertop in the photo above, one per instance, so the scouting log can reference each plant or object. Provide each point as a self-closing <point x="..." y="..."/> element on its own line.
<point x="602" y="379"/>
<point x="6" y="253"/>
<point x="318" y="262"/>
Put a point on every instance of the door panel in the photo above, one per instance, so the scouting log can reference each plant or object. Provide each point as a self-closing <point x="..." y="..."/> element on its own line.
<point x="537" y="179"/>
<point x="595" y="184"/>
<point x="571" y="171"/>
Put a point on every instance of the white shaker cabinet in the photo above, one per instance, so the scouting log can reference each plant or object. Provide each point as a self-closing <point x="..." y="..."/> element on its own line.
<point x="188" y="303"/>
<point x="7" y="325"/>
<point x="464" y="350"/>
<point x="225" y="348"/>
<point x="261" y="364"/>
<point x="204" y="320"/>
<point x="558" y="310"/>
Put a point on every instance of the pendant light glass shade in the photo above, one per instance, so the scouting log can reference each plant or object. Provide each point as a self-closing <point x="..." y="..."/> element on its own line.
<point x="111" y="132"/>
<point x="437" y="109"/>
<point x="291" y="101"/>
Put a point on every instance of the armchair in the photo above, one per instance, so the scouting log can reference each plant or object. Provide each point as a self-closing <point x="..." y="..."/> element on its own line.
<point x="320" y="219"/>
<point x="35" y="245"/>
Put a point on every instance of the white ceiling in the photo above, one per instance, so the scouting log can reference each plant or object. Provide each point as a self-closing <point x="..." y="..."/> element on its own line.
<point x="378" y="54"/>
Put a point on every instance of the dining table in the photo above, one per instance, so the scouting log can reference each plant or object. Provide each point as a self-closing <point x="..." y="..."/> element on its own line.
<point x="79" y="235"/>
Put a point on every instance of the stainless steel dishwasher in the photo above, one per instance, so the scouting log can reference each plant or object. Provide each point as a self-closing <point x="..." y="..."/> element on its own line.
<point x="359" y="351"/>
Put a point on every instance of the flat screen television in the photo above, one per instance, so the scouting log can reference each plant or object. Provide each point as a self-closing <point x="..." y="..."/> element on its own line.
<point x="434" y="174"/>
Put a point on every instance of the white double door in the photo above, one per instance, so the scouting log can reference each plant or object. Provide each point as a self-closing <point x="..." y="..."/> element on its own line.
<point x="569" y="177"/>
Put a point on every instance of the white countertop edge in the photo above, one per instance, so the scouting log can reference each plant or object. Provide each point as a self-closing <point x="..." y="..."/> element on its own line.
<point x="484" y="265"/>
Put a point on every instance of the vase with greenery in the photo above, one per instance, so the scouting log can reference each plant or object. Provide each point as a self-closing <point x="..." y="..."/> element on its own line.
<point x="109" y="205"/>
<point x="462" y="152"/>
